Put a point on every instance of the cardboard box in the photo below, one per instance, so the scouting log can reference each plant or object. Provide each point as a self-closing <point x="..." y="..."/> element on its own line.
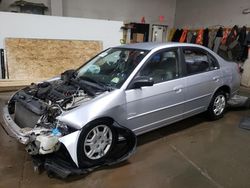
<point x="138" y="37"/>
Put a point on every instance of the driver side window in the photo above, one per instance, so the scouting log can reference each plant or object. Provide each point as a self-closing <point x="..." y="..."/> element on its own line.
<point x="162" y="66"/>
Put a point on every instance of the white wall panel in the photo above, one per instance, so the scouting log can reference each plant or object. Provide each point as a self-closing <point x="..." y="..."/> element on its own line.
<point x="52" y="27"/>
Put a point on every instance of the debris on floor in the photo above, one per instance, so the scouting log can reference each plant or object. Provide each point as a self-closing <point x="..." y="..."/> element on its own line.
<point x="245" y="123"/>
<point x="239" y="101"/>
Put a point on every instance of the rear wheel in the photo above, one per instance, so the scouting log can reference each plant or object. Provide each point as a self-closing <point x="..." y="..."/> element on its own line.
<point x="217" y="105"/>
<point x="95" y="143"/>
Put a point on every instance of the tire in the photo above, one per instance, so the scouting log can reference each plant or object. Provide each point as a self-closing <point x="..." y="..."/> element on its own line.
<point x="95" y="143"/>
<point x="217" y="106"/>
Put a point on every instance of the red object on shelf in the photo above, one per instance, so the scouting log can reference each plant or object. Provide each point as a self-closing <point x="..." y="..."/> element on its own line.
<point x="143" y="19"/>
<point x="161" y="18"/>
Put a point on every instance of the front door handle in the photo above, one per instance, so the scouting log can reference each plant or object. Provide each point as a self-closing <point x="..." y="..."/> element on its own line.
<point x="177" y="89"/>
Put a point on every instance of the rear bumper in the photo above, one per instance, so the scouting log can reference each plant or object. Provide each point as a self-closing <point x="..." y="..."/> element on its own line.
<point x="234" y="93"/>
<point x="13" y="129"/>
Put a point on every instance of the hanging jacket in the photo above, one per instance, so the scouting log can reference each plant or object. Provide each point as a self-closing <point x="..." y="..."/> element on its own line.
<point x="177" y="35"/>
<point x="219" y="32"/>
<point x="171" y="34"/>
<point x="232" y="36"/>
<point x="225" y="35"/>
<point x="189" y="36"/>
<point x="248" y="38"/>
<point x="243" y="54"/>
<point x="206" y="37"/>
<point x="193" y="39"/>
<point x="199" y="38"/>
<point x="242" y="35"/>
<point x="217" y="40"/>
<point x="212" y="35"/>
<point x="184" y="36"/>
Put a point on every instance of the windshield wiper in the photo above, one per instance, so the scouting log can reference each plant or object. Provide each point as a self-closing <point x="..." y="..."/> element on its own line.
<point x="94" y="83"/>
<point x="86" y="88"/>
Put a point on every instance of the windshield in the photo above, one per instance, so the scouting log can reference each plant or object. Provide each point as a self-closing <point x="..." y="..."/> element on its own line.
<point x="112" y="67"/>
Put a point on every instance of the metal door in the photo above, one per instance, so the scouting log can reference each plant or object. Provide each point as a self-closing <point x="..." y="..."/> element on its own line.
<point x="155" y="106"/>
<point x="202" y="79"/>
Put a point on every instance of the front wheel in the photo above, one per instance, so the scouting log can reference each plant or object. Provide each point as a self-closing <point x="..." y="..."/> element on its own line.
<point x="217" y="105"/>
<point x="95" y="143"/>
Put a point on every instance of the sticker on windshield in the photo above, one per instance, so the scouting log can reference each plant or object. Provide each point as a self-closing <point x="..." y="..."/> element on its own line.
<point x="115" y="80"/>
<point x="103" y="54"/>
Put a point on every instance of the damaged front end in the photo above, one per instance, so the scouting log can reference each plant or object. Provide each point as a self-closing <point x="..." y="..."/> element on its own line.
<point x="33" y="116"/>
<point x="32" y="112"/>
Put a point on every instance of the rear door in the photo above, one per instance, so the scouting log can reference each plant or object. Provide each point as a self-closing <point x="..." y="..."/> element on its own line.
<point x="202" y="79"/>
<point x="154" y="106"/>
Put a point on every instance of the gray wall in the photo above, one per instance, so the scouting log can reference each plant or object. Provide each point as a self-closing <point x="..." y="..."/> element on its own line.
<point x="122" y="10"/>
<point x="202" y="13"/>
<point x="119" y="10"/>
<point x="56" y="8"/>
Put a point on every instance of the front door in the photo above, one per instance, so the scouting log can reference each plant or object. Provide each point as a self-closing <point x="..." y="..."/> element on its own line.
<point x="154" y="106"/>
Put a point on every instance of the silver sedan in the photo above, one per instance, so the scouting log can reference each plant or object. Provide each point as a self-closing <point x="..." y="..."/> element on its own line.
<point x="140" y="87"/>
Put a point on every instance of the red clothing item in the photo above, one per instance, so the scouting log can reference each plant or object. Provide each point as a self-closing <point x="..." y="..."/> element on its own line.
<point x="183" y="36"/>
<point x="225" y="35"/>
<point x="199" y="39"/>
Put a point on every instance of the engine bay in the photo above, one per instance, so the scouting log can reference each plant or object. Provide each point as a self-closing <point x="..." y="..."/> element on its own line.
<point x="36" y="108"/>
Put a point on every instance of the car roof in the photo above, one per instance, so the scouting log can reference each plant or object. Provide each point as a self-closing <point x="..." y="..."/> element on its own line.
<point x="153" y="45"/>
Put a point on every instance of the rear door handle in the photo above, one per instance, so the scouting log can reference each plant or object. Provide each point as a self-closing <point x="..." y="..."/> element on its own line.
<point x="216" y="78"/>
<point x="178" y="89"/>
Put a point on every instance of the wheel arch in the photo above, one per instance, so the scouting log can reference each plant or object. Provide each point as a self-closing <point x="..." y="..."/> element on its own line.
<point x="226" y="89"/>
<point x="71" y="141"/>
<point x="81" y="159"/>
<point x="104" y="119"/>
<point x="212" y="115"/>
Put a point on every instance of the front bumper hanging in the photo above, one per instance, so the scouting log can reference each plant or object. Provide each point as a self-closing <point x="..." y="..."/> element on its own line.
<point x="60" y="164"/>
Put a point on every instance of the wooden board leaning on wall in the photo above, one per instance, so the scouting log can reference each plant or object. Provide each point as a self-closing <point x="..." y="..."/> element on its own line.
<point x="40" y="59"/>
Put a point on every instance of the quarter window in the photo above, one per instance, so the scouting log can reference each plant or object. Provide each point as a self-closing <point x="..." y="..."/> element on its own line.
<point x="198" y="61"/>
<point x="162" y="66"/>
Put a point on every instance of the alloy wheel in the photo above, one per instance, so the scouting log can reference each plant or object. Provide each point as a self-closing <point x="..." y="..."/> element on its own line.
<point x="219" y="104"/>
<point x="98" y="142"/>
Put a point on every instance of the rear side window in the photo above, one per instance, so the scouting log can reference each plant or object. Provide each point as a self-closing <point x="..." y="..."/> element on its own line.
<point x="198" y="61"/>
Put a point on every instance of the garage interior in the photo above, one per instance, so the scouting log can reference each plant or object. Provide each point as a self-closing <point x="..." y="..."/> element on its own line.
<point x="42" y="38"/>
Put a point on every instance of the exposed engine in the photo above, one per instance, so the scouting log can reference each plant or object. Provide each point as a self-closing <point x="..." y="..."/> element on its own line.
<point x="65" y="92"/>
<point x="36" y="107"/>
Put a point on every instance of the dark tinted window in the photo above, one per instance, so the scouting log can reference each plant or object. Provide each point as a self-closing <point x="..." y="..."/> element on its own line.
<point x="198" y="61"/>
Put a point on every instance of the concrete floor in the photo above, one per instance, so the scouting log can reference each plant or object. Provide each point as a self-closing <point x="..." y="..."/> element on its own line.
<point x="191" y="153"/>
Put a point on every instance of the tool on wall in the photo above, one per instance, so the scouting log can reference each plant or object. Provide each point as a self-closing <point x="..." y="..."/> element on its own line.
<point x="246" y="11"/>
<point x="2" y="64"/>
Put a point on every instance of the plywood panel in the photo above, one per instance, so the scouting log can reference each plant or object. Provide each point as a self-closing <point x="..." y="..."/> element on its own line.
<point x="30" y="59"/>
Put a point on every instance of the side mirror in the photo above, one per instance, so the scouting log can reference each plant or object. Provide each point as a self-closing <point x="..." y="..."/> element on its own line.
<point x="142" y="81"/>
